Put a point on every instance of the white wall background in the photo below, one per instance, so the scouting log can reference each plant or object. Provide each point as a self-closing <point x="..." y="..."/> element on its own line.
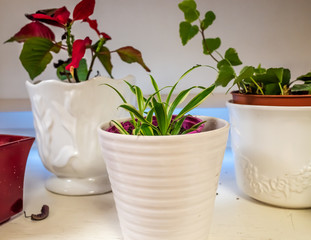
<point x="271" y="32"/>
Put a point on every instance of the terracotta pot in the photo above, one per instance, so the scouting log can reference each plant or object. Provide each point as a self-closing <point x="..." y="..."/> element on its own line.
<point x="271" y="100"/>
<point x="14" y="151"/>
<point x="165" y="186"/>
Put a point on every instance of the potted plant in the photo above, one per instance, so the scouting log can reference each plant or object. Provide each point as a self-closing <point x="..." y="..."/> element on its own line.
<point x="67" y="111"/>
<point x="164" y="168"/>
<point x="270" y="120"/>
<point x="14" y="151"/>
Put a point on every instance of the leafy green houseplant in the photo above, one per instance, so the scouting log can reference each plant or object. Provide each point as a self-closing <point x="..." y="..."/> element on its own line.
<point x="270" y="120"/>
<point x="168" y="154"/>
<point x="40" y="44"/>
<point x="155" y="116"/>
<point x="250" y="80"/>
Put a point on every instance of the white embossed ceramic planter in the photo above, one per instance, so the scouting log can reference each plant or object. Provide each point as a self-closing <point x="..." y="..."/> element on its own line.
<point x="272" y="153"/>
<point x="165" y="186"/>
<point x="66" y="118"/>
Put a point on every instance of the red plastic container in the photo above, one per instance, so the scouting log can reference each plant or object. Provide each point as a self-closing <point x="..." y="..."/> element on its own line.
<point x="14" y="152"/>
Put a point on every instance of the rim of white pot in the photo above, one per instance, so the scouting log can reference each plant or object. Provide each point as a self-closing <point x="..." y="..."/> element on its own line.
<point x="264" y="107"/>
<point x="57" y="81"/>
<point x="223" y="125"/>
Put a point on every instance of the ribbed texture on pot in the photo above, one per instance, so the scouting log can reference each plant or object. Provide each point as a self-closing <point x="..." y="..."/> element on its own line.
<point x="165" y="186"/>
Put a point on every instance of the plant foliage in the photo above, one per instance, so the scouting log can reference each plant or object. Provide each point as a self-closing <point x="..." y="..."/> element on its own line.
<point x="39" y="44"/>
<point x="253" y="80"/>
<point x="154" y="115"/>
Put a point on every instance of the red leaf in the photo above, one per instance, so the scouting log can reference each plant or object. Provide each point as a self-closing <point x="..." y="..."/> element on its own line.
<point x="78" y="51"/>
<point x="83" y="10"/>
<point x="93" y="24"/>
<point x="56" y="17"/>
<point x="33" y="29"/>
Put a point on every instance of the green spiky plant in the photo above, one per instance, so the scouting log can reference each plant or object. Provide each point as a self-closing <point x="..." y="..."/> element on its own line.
<point x="161" y="109"/>
<point x="253" y="80"/>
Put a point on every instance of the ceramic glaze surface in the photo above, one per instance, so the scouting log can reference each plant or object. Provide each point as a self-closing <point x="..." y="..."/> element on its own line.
<point x="66" y="117"/>
<point x="272" y="153"/>
<point x="165" y="186"/>
<point x="14" y="152"/>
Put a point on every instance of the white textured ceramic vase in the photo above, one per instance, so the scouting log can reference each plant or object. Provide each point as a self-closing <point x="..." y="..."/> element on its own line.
<point x="272" y="153"/>
<point x="165" y="186"/>
<point x="66" y="118"/>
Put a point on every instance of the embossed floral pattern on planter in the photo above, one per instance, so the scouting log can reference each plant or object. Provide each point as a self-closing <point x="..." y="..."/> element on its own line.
<point x="280" y="186"/>
<point x="66" y="116"/>
<point x="272" y="153"/>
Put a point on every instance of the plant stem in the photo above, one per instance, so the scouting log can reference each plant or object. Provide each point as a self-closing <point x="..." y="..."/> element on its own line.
<point x="204" y="42"/>
<point x="258" y="87"/>
<point x="68" y="40"/>
<point x="97" y="50"/>
<point x="282" y="92"/>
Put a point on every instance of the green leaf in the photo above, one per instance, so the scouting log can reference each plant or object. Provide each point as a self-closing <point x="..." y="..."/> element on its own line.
<point x="182" y="76"/>
<point x="131" y="109"/>
<point x="119" y="127"/>
<point x="187" y="31"/>
<point x="210" y="45"/>
<point x="131" y="55"/>
<point x="305" y="77"/>
<point x="156" y="88"/>
<point x="82" y="70"/>
<point x="208" y="20"/>
<point x="35" y="55"/>
<point x="61" y="72"/>
<point x="140" y="99"/>
<point x="232" y="56"/>
<point x="225" y="75"/>
<point x="272" y="89"/>
<point x="178" y="100"/>
<point x="104" y="57"/>
<point x="301" y="87"/>
<point x="246" y="72"/>
<point x="189" y="8"/>
<point x="176" y="126"/>
<point x="160" y="113"/>
<point x="196" y="101"/>
<point x="194" y="127"/>
<point x="117" y="91"/>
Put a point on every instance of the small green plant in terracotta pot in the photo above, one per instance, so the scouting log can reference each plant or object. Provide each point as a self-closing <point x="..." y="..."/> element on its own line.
<point x="250" y="80"/>
<point x="270" y="118"/>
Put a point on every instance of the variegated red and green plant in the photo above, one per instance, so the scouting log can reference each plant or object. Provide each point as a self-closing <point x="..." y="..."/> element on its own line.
<point x="40" y="44"/>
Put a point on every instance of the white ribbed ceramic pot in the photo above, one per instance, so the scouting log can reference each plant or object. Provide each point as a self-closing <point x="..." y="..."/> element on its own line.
<point x="165" y="186"/>
<point x="272" y="153"/>
<point x="66" y="118"/>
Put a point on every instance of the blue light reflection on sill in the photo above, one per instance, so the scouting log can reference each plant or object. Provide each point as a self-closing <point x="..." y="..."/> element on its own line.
<point x="21" y="123"/>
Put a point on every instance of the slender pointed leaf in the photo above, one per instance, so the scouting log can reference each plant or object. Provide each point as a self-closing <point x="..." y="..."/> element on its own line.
<point x="161" y="115"/>
<point x="140" y="99"/>
<point x="193" y="128"/>
<point x="196" y="101"/>
<point x="178" y="100"/>
<point x="156" y="88"/>
<point x="117" y="91"/>
<point x="177" y="125"/>
<point x="119" y="126"/>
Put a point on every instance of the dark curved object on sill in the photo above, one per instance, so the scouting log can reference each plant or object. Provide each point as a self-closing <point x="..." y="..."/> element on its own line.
<point x="14" y="152"/>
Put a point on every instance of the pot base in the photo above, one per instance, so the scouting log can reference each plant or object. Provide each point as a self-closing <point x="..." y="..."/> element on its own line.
<point x="78" y="186"/>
